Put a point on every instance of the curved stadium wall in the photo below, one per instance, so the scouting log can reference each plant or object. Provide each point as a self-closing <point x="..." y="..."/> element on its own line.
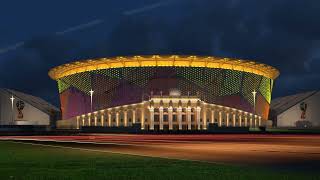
<point x="118" y="81"/>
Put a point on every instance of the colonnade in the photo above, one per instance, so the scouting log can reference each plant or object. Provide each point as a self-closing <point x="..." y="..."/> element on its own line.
<point x="170" y="116"/>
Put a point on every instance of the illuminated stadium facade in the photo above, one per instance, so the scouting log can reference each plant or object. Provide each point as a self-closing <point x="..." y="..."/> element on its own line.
<point x="164" y="92"/>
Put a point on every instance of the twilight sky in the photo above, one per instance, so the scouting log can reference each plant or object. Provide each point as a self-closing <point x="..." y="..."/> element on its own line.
<point x="38" y="35"/>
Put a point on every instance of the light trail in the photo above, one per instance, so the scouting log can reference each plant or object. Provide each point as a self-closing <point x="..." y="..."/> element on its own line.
<point x="147" y="8"/>
<point x="80" y="27"/>
<point x="91" y="24"/>
<point x="241" y="149"/>
<point x="12" y="47"/>
<point x="113" y="152"/>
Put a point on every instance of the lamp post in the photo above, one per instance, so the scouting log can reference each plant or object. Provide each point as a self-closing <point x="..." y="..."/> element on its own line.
<point x="254" y="93"/>
<point x="91" y="94"/>
<point x="12" y="99"/>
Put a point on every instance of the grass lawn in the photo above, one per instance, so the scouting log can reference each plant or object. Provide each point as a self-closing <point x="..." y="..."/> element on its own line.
<point x="22" y="161"/>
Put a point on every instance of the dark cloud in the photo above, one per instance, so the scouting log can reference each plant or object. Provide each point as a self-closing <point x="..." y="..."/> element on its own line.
<point x="299" y="18"/>
<point x="284" y="34"/>
<point x="27" y="69"/>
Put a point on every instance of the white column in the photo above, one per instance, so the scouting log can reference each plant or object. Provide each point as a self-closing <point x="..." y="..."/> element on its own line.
<point x="250" y="125"/>
<point x="212" y="116"/>
<point x="161" y="117"/>
<point x="109" y="119"/>
<point x="102" y="118"/>
<point x="83" y="120"/>
<point x="259" y="120"/>
<point x="227" y="119"/>
<point x="179" y="111"/>
<point x="189" y="117"/>
<point x="240" y="120"/>
<point x="117" y="119"/>
<point x="170" y="117"/>
<point x="198" y="110"/>
<point x="245" y="120"/>
<point x="204" y="118"/>
<point x="78" y="123"/>
<point x="89" y="119"/>
<point x="95" y="118"/>
<point x="133" y="116"/>
<point x="255" y="120"/>
<point x="125" y="118"/>
<point x="151" y="110"/>
<point x="220" y="119"/>
<point x="234" y="119"/>
<point x="142" y="118"/>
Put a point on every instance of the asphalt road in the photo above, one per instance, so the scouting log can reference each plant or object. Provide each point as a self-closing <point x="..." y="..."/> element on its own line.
<point x="275" y="151"/>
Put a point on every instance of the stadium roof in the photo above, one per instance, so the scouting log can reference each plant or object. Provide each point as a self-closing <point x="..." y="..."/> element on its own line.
<point x="160" y="61"/>
<point x="279" y="105"/>
<point x="36" y="102"/>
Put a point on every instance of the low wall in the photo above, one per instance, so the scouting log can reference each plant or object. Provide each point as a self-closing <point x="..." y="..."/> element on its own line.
<point x="66" y="124"/>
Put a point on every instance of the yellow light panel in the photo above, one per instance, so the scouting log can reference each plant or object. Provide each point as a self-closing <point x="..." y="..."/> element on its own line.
<point x="168" y="61"/>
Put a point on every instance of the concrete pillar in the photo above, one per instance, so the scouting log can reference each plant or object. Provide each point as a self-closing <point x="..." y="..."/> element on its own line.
<point x="245" y="120"/>
<point x="102" y="118"/>
<point x="83" y="120"/>
<point x="125" y="118"/>
<point x="204" y="118"/>
<point x="234" y="119"/>
<point x="259" y="121"/>
<point x="109" y="119"/>
<point x="220" y="119"/>
<point x="95" y="118"/>
<point x="170" y="109"/>
<point x="255" y="120"/>
<point x="250" y="125"/>
<point x="133" y="116"/>
<point x="78" y="123"/>
<point x="212" y="116"/>
<point x="151" y="110"/>
<point x="240" y="120"/>
<point x="142" y="118"/>
<point x="227" y="119"/>
<point x="189" y="117"/>
<point x="117" y="119"/>
<point x="198" y="110"/>
<point x="89" y="119"/>
<point x="161" y="117"/>
<point x="179" y="111"/>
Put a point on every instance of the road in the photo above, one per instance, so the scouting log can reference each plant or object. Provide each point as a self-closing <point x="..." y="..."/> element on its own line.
<point x="277" y="151"/>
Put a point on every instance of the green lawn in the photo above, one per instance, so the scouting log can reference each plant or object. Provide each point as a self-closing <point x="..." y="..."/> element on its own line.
<point x="22" y="161"/>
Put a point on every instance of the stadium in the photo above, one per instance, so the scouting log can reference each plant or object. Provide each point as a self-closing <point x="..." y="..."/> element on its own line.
<point x="164" y="92"/>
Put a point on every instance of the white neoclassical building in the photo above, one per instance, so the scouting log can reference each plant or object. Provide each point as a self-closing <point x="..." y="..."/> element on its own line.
<point x="166" y="113"/>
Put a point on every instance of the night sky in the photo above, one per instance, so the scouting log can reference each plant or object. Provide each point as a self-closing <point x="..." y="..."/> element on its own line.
<point x="38" y="35"/>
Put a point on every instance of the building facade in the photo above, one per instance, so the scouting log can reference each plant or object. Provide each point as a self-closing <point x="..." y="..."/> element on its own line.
<point x="17" y="108"/>
<point x="167" y="113"/>
<point x="298" y="110"/>
<point x="102" y="85"/>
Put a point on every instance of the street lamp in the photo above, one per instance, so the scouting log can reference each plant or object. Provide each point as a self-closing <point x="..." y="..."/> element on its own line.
<point x="91" y="94"/>
<point x="254" y="93"/>
<point x="12" y="99"/>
